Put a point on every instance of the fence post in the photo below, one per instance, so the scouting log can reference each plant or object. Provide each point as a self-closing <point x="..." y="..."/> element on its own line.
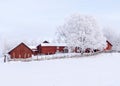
<point x="4" y="58"/>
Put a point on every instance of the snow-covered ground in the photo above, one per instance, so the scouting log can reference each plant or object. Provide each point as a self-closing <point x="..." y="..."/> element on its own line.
<point x="98" y="70"/>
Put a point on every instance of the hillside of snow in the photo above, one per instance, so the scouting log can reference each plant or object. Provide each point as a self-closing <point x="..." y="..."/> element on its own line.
<point x="98" y="70"/>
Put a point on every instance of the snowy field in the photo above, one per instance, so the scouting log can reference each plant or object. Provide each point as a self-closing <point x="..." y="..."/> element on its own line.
<point x="98" y="70"/>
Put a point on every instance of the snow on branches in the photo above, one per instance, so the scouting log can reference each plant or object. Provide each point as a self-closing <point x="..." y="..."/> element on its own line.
<point x="82" y="31"/>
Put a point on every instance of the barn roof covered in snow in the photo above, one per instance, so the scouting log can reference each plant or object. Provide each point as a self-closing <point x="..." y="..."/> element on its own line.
<point x="18" y="46"/>
<point x="32" y="47"/>
<point x="46" y="43"/>
<point x="53" y="44"/>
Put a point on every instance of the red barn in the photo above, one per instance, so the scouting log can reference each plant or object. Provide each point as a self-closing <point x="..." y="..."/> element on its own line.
<point x="48" y="48"/>
<point x="109" y="45"/>
<point x="21" y="51"/>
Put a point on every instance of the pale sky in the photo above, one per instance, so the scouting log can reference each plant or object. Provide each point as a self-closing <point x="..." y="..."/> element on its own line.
<point x="38" y="19"/>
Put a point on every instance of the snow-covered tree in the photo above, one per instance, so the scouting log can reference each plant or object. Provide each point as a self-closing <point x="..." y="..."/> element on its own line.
<point x="82" y="31"/>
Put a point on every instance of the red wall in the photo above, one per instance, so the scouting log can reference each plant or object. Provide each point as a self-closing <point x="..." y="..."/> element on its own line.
<point x="21" y="52"/>
<point x="49" y="49"/>
<point x="109" y="47"/>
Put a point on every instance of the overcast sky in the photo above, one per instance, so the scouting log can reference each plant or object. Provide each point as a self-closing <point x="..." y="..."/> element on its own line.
<point x="38" y="19"/>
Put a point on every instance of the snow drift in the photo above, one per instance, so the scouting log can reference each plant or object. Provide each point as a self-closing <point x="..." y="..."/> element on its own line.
<point x="98" y="70"/>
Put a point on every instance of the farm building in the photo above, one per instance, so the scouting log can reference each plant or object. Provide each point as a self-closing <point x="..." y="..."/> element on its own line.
<point x="49" y="48"/>
<point x="34" y="50"/>
<point x="20" y="51"/>
<point x="109" y="46"/>
<point x="46" y="48"/>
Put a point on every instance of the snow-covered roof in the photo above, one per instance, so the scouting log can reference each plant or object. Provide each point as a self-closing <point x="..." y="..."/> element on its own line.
<point x="53" y="44"/>
<point x="32" y="47"/>
<point x="11" y="47"/>
<point x="17" y="44"/>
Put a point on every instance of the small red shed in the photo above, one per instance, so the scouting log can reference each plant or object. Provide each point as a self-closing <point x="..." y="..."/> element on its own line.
<point x="20" y="51"/>
<point x="109" y="45"/>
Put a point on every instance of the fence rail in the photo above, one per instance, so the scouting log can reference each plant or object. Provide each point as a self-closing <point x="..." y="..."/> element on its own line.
<point x="59" y="56"/>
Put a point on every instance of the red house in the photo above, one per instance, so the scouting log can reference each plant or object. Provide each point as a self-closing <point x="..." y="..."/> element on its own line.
<point x="49" y="48"/>
<point x="20" y="51"/>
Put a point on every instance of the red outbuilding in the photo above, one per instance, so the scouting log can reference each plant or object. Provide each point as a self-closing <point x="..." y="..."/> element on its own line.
<point x="109" y="46"/>
<point x="20" y="51"/>
<point x="46" y="48"/>
<point x="50" y="48"/>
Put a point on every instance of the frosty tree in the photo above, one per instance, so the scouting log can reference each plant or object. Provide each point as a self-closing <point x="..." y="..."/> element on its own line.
<point x="82" y="31"/>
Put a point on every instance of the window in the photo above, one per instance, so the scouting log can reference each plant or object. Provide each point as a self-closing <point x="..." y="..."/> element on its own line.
<point x="28" y="55"/>
<point x="25" y="55"/>
<point x="19" y="56"/>
<point x="57" y="51"/>
<point x="66" y="50"/>
<point x="57" y="47"/>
